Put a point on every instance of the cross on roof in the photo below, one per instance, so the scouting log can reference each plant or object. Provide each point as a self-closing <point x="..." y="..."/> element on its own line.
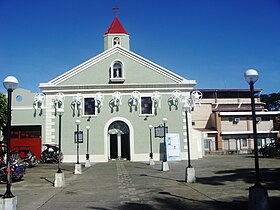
<point x="116" y="10"/>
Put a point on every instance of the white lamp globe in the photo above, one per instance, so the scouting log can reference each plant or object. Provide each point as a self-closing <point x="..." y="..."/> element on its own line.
<point x="10" y="83"/>
<point x="60" y="111"/>
<point x="251" y="76"/>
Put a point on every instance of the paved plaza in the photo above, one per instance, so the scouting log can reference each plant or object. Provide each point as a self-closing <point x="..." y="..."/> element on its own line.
<point x="222" y="183"/>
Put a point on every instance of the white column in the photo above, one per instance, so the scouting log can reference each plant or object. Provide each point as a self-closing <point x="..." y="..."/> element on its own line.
<point x="119" y="146"/>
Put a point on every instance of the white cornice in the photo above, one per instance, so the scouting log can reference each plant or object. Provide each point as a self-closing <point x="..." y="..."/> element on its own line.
<point x="111" y="88"/>
<point x="247" y="132"/>
<point x="249" y="113"/>
<point x="116" y="34"/>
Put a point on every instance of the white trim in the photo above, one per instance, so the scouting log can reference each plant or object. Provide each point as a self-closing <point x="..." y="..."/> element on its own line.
<point x="107" y="136"/>
<point x="93" y="158"/>
<point x="120" y="79"/>
<point x="28" y="124"/>
<point x="249" y="113"/>
<point x="94" y="88"/>
<point x="49" y="130"/>
<point x="207" y="131"/>
<point x="116" y="35"/>
<point x="140" y="106"/>
<point x="117" y="79"/>
<point x="237" y="103"/>
<point x="83" y="107"/>
<point x="246" y="132"/>
<point x="98" y="158"/>
<point x="22" y="108"/>
<point x="145" y="157"/>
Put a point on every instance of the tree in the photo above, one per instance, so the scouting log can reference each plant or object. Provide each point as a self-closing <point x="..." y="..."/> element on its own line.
<point x="272" y="101"/>
<point x="3" y="111"/>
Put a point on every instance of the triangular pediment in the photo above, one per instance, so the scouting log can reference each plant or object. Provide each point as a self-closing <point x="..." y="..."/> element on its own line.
<point x="138" y="70"/>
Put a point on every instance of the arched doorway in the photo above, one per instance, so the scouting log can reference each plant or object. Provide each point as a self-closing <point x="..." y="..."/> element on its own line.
<point x="119" y="146"/>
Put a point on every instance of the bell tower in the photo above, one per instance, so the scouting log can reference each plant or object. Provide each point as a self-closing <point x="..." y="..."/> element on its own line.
<point x="116" y="34"/>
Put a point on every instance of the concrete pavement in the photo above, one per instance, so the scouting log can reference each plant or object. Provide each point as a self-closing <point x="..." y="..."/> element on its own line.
<point x="222" y="183"/>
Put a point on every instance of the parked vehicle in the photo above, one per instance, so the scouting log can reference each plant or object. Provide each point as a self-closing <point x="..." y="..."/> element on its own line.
<point x="16" y="165"/>
<point x="50" y="154"/>
<point x="3" y="169"/>
<point x="27" y="157"/>
<point x="17" y="169"/>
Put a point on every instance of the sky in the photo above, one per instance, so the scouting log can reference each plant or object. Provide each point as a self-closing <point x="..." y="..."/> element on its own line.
<point x="211" y="41"/>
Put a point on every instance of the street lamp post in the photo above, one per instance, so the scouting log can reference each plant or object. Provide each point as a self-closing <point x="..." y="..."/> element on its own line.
<point x="165" y="166"/>
<point x="60" y="113"/>
<point x="151" y="147"/>
<point x="258" y="196"/>
<point x="59" y="176"/>
<point x="78" y="167"/>
<point x="10" y="83"/>
<point x="190" y="172"/>
<point x="87" y="164"/>
<point x="78" y="125"/>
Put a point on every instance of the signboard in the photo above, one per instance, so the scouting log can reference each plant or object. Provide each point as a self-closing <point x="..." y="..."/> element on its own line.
<point x="80" y="137"/>
<point x="159" y="131"/>
<point x="173" y="148"/>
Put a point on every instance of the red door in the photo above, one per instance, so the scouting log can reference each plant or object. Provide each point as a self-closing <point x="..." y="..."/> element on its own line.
<point x="27" y="138"/>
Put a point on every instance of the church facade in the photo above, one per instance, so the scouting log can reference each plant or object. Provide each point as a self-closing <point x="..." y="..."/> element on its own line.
<point x="117" y="99"/>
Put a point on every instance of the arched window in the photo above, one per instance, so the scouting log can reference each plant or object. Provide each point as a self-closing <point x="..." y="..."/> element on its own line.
<point x="118" y="127"/>
<point x="117" y="72"/>
<point x="116" y="41"/>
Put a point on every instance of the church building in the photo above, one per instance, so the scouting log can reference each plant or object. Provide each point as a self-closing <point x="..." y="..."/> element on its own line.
<point x="119" y="100"/>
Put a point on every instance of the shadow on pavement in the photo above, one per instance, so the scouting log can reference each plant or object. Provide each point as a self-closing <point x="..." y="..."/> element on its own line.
<point x="135" y="206"/>
<point x="46" y="179"/>
<point x="180" y="203"/>
<point x="269" y="177"/>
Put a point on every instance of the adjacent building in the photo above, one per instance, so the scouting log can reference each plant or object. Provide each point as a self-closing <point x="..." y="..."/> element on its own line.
<point x="225" y="117"/>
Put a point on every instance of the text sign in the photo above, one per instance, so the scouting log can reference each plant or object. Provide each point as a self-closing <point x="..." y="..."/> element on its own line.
<point x="173" y="147"/>
<point x="80" y="137"/>
<point x="159" y="131"/>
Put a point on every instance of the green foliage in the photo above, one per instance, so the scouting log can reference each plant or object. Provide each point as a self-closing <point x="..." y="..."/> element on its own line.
<point x="3" y="110"/>
<point x="274" y="152"/>
<point x="272" y="101"/>
<point x="274" y="149"/>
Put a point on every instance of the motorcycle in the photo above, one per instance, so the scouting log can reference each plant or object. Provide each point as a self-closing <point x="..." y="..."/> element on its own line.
<point x="28" y="158"/>
<point x="17" y="168"/>
<point x="3" y="169"/>
<point x="51" y="154"/>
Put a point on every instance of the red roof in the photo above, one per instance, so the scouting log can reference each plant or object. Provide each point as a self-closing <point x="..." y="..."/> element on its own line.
<point x="116" y="28"/>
